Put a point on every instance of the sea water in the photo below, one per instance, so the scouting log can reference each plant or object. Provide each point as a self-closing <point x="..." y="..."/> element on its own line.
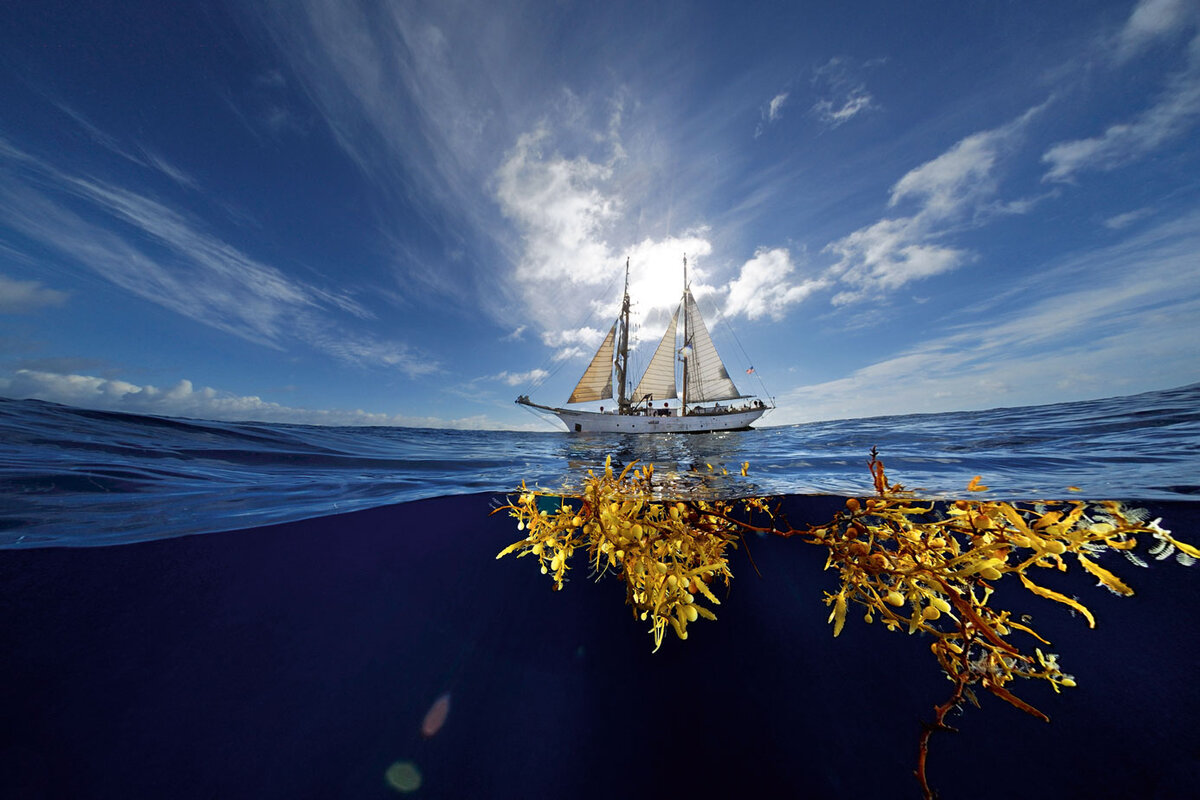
<point x="212" y="609"/>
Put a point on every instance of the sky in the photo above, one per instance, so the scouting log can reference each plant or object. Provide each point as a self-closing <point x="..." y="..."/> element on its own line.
<point x="407" y="213"/>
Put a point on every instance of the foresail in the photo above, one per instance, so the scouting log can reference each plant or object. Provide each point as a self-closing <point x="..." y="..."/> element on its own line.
<point x="708" y="379"/>
<point x="659" y="380"/>
<point x="596" y="383"/>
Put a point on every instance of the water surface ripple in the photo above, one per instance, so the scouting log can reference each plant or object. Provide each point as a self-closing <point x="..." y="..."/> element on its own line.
<point x="73" y="477"/>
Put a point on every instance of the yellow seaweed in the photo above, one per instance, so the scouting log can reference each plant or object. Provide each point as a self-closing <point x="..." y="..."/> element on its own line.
<point x="1050" y="594"/>
<point x="1106" y="578"/>
<point x="923" y="568"/>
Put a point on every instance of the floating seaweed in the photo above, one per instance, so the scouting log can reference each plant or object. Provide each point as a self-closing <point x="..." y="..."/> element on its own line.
<point x="915" y="566"/>
<point x="668" y="553"/>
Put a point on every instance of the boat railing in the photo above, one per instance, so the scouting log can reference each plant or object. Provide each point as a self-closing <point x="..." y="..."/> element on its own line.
<point x="718" y="409"/>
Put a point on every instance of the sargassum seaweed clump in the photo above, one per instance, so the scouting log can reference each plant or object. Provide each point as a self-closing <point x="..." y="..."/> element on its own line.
<point x="915" y="566"/>
<point x="669" y="554"/>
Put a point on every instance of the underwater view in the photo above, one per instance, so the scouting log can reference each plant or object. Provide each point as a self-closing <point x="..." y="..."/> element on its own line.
<point x="199" y="609"/>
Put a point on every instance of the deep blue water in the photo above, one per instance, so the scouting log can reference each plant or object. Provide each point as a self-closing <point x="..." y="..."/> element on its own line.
<point x="346" y="578"/>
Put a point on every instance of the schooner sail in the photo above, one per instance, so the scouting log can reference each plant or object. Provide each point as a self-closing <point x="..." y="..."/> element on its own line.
<point x="596" y="383"/>
<point x="704" y="380"/>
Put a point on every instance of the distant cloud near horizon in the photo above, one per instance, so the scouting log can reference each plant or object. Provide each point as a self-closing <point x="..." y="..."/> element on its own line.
<point x="183" y="399"/>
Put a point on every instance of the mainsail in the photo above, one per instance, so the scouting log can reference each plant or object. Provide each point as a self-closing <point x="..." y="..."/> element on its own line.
<point x="659" y="380"/>
<point x="596" y="383"/>
<point x="707" y="378"/>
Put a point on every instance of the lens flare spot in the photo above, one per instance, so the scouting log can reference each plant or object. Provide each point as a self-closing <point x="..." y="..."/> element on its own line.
<point x="403" y="776"/>
<point x="435" y="717"/>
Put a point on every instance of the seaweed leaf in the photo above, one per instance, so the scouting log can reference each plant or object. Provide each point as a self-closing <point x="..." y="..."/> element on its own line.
<point x="1050" y="594"/>
<point x="1109" y="580"/>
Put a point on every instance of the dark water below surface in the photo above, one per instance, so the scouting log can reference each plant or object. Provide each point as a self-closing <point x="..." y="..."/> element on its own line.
<point x="298" y="659"/>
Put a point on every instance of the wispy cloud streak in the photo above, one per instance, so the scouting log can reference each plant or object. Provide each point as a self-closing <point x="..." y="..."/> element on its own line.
<point x="163" y="256"/>
<point x="841" y="95"/>
<point x="1151" y="21"/>
<point x="1176" y="109"/>
<point x="947" y="191"/>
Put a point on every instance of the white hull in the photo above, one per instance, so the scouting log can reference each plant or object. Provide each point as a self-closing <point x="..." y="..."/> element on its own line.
<point x="593" y="422"/>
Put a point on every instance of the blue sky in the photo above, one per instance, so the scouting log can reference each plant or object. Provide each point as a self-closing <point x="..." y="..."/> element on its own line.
<point x="380" y="212"/>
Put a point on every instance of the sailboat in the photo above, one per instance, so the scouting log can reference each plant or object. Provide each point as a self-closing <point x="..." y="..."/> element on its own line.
<point x="706" y="398"/>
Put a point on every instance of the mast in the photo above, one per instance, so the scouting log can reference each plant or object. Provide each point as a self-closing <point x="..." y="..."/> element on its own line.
<point x="686" y="342"/>
<point x="623" y="347"/>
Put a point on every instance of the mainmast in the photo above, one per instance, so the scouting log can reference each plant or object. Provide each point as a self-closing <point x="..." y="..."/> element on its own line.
<point x="684" y="351"/>
<point x="623" y="347"/>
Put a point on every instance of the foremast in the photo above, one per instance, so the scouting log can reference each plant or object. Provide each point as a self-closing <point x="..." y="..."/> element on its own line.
<point x="622" y="360"/>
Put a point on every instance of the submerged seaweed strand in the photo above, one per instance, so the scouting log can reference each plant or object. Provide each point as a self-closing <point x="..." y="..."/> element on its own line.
<point x="912" y="566"/>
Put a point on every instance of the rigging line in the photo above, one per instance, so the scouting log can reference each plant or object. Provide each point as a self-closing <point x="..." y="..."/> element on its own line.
<point x="745" y="356"/>
<point x="538" y="416"/>
<point x="586" y="316"/>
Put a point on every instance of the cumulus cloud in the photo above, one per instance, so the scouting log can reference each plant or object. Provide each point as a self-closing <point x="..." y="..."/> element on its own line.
<point x="960" y="175"/>
<point x="520" y="378"/>
<point x="562" y="205"/>
<point x="183" y="399"/>
<point x="562" y="189"/>
<point x="946" y="191"/>
<point x="573" y="342"/>
<point x="764" y="286"/>
<point x="23" y="297"/>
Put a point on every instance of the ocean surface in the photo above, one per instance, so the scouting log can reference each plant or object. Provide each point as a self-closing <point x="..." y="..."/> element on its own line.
<point x="196" y="609"/>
